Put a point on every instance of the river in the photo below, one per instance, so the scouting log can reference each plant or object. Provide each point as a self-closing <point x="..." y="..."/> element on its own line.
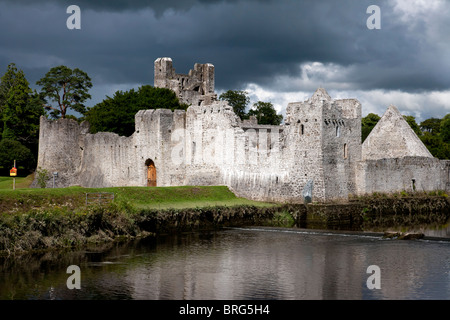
<point x="239" y="263"/>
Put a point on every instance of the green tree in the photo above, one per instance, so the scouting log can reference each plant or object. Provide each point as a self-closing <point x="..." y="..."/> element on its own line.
<point x="239" y="100"/>
<point x="445" y="129"/>
<point x="14" y="93"/>
<point x="367" y="124"/>
<point x="413" y="124"/>
<point x="265" y="113"/>
<point x="11" y="150"/>
<point x="20" y="109"/>
<point x="67" y="88"/>
<point x="436" y="146"/>
<point x="432" y="125"/>
<point x="436" y="134"/>
<point x="116" y="114"/>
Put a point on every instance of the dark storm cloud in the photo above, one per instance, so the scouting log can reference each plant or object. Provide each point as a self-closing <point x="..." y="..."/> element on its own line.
<point x="247" y="41"/>
<point x="158" y="6"/>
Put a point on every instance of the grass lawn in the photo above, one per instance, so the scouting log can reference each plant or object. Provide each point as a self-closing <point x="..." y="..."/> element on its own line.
<point x="138" y="197"/>
<point x="21" y="182"/>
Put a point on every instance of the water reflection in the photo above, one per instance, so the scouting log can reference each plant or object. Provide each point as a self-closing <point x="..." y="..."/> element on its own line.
<point x="257" y="263"/>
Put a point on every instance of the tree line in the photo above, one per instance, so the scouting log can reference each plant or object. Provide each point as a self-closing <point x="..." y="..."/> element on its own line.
<point x="64" y="90"/>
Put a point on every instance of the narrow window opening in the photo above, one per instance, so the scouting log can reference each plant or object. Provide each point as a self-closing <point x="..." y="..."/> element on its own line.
<point x="345" y="151"/>
<point x="302" y="129"/>
<point x="338" y="131"/>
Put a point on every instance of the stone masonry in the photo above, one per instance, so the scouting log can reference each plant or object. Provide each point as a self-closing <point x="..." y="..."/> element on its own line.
<point x="319" y="142"/>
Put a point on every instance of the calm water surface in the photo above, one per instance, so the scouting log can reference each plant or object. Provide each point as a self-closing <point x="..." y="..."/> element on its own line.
<point x="255" y="263"/>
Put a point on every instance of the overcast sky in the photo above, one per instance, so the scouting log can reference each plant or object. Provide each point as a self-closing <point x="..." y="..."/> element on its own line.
<point x="278" y="50"/>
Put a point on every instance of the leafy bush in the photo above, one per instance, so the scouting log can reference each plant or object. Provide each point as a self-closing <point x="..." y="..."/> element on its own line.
<point x="42" y="175"/>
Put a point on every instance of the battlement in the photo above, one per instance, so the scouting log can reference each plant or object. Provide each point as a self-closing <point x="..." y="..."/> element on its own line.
<point x="195" y="88"/>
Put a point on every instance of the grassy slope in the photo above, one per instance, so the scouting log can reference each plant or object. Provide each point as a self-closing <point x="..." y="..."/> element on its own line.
<point x="24" y="198"/>
<point x="32" y="219"/>
<point x="21" y="182"/>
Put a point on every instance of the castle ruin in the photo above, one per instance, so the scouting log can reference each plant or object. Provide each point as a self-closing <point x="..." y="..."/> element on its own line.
<point x="318" y="145"/>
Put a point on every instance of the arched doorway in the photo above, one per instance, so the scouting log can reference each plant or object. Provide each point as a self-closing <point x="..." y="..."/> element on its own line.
<point x="151" y="173"/>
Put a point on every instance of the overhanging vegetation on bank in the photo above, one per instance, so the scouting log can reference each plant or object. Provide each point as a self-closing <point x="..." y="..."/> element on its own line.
<point x="39" y="219"/>
<point x="55" y="228"/>
<point x="33" y="219"/>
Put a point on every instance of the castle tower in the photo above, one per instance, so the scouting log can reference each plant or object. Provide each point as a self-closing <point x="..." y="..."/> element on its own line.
<point x="305" y="132"/>
<point x="341" y="145"/>
<point x="163" y="72"/>
<point x="195" y="88"/>
<point x="327" y="136"/>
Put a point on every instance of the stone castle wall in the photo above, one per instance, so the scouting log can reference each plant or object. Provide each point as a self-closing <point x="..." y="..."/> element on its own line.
<point x="208" y="144"/>
<point x="106" y="159"/>
<point x="408" y="173"/>
<point x="60" y="148"/>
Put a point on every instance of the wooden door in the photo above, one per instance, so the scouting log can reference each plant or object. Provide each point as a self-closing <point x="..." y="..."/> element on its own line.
<point x="151" y="175"/>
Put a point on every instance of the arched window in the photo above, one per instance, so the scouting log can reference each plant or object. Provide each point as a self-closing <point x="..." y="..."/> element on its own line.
<point x="338" y="131"/>
<point x="345" y="151"/>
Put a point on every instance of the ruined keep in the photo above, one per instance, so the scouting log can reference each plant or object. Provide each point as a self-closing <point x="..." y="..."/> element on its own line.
<point x="317" y="151"/>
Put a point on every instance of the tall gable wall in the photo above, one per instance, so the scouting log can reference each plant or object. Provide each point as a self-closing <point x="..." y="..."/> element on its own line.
<point x="392" y="137"/>
<point x="395" y="159"/>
